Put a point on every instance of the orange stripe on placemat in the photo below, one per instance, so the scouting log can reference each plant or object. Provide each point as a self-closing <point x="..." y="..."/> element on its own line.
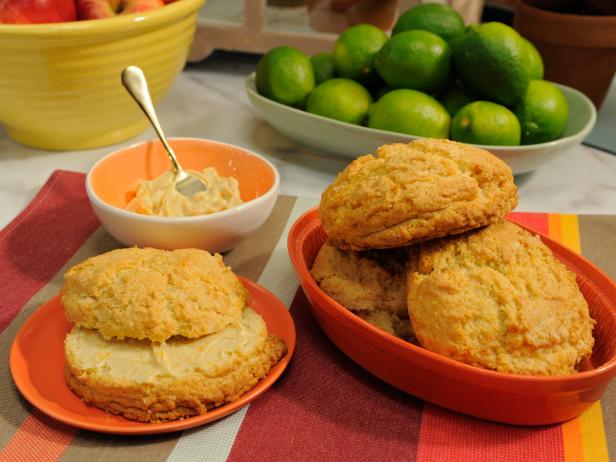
<point x="39" y="438"/>
<point x="572" y="441"/>
<point x="555" y="227"/>
<point x="583" y="437"/>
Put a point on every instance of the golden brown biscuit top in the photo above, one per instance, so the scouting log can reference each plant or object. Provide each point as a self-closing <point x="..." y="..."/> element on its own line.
<point x="153" y="294"/>
<point x="416" y="191"/>
<point x="498" y="298"/>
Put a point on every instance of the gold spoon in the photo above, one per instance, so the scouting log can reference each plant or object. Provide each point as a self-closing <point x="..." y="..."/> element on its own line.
<point x="135" y="83"/>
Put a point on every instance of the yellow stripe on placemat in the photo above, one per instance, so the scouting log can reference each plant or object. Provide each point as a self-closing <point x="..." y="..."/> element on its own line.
<point x="565" y="229"/>
<point x="593" y="434"/>
<point x="570" y="232"/>
<point x="583" y="437"/>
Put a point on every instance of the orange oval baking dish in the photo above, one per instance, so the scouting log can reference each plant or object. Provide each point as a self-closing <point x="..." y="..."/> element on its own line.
<point x="507" y="398"/>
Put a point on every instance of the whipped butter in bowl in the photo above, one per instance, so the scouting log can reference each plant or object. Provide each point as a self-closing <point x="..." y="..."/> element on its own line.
<point x="159" y="196"/>
<point x="131" y="192"/>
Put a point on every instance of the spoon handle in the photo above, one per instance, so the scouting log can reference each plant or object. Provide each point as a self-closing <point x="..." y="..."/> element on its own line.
<point x="135" y="83"/>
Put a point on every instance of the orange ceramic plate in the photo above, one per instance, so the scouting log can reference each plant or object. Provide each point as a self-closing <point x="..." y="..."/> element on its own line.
<point x="37" y="367"/>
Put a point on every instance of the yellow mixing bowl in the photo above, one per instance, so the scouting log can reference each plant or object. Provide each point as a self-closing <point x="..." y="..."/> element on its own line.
<point x="60" y="83"/>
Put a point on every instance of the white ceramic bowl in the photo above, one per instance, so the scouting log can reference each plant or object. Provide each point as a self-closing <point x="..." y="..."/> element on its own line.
<point x="354" y="140"/>
<point x="110" y="181"/>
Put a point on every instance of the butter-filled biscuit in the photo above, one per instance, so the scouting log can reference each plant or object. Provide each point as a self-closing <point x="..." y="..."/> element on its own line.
<point x="157" y="381"/>
<point x="414" y="192"/>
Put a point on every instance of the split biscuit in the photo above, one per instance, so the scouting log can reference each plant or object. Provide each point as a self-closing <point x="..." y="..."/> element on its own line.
<point x="497" y="298"/>
<point x="413" y="192"/>
<point x="152" y="382"/>
<point x="153" y="294"/>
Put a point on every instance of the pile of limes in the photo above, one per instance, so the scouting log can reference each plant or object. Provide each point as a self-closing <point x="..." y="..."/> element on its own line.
<point x="434" y="77"/>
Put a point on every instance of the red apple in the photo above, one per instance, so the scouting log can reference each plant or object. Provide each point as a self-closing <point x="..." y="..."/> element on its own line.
<point x="97" y="9"/>
<point x="36" y="11"/>
<point x="138" y="6"/>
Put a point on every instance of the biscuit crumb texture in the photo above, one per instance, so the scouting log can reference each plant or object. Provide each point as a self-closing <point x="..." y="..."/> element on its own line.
<point x="371" y="284"/>
<point x="153" y="382"/>
<point x="413" y="192"/>
<point x="392" y="323"/>
<point x="363" y="281"/>
<point x="497" y="298"/>
<point x="153" y="294"/>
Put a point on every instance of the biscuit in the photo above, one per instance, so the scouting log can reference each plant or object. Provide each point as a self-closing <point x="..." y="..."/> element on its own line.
<point x="389" y="322"/>
<point x="497" y="298"/>
<point x="152" y="382"/>
<point x="153" y="294"/>
<point x="363" y="281"/>
<point x="414" y="192"/>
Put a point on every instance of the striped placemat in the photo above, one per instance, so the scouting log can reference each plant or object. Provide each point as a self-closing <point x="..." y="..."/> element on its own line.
<point x="323" y="407"/>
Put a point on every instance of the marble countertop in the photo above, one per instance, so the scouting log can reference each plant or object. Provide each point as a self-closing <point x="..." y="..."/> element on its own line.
<point x="208" y="101"/>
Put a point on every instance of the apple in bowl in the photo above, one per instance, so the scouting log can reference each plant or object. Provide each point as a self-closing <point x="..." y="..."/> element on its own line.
<point x="99" y="9"/>
<point x="49" y="11"/>
<point x="37" y="11"/>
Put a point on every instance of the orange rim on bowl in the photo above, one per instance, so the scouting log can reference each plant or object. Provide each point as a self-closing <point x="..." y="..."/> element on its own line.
<point x="508" y="398"/>
<point x="112" y="180"/>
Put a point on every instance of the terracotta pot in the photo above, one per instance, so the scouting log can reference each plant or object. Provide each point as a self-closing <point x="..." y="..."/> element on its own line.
<point x="579" y="51"/>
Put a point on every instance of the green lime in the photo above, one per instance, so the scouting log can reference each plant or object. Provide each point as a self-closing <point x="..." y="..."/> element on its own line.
<point x="323" y="65"/>
<point x="439" y="19"/>
<point x="355" y="51"/>
<point x="411" y="112"/>
<point x="536" y="63"/>
<point x="543" y="112"/>
<point x="415" y="59"/>
<point x="456" y="42"/>
<point x="484" y="122"/>
<point x="455" y="98"/>
<point x="493" y="62"/>
<point x="340" y="99"/>
<point x="285" y="74"/>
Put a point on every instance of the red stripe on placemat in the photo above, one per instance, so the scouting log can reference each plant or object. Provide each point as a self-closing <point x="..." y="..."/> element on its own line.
<point x="536" y="221"/>
<point x="325" y="407"/>
<point x="41" y="239"/>
<point x="39" y="438"/>
<point x="448" y="436"/>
